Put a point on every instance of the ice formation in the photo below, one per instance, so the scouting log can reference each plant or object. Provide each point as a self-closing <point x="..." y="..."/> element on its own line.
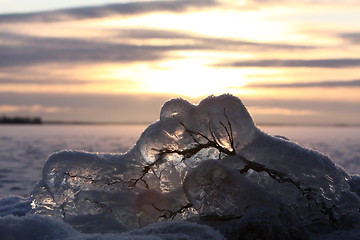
<point x="207" y="163"/>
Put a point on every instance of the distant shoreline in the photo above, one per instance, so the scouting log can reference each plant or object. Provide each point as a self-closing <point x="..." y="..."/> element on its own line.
<point x="20" y="120"/>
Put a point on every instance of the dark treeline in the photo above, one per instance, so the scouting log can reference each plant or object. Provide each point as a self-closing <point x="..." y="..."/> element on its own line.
<point x="20" y="120"/>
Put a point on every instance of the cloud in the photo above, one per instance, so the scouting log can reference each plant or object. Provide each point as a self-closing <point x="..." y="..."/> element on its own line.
<point x="90" y="107"/>
<point x="205" y="41"/>
<point x="326" y="84"/>
<point x="320" y="105"/>
<point x="26" y="80"/>
<point x="313" y="63"/>
<point x="258" y="4"/>
<point x="351" y="37"/>
<point x="125" y="9"/>
<point x="145" y="108"/>
<point x="34" y="50"/>
<point x="31" y="50"/>
<point x="280" y="111"/>
<point x="35" y="108"/>
<point x="309" y="111"/>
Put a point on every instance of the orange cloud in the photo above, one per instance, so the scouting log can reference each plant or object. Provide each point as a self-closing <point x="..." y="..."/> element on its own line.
<point x="36" y="108"/>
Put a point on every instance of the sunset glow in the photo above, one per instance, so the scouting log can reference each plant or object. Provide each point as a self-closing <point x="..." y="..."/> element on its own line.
<point x="296" y="56"/>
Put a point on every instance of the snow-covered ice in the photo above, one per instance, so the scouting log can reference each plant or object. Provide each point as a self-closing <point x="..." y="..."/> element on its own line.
<point x="201" y="171"/>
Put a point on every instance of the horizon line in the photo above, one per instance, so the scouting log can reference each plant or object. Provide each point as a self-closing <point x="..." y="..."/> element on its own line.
<point x="60" y="122"/>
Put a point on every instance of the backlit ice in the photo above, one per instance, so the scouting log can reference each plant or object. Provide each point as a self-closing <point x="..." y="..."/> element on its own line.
<point x="208" y="166"/>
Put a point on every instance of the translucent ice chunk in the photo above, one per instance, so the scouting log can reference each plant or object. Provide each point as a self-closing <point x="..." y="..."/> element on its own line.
<point x="215" y="189"/>
<point x="204" y="160"/>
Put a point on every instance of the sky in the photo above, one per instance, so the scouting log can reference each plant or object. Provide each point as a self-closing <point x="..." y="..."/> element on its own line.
<point x="290" y="62"/>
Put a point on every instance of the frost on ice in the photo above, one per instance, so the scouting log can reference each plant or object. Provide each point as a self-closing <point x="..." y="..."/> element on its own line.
<point x="207" y="163"/>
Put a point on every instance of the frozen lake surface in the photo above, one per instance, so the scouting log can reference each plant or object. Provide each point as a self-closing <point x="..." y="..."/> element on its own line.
<point x="25" y="148"/>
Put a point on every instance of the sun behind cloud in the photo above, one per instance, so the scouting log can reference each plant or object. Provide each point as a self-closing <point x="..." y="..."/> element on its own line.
<point x="192" y="78"/>
<point x="276" y="57"/>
